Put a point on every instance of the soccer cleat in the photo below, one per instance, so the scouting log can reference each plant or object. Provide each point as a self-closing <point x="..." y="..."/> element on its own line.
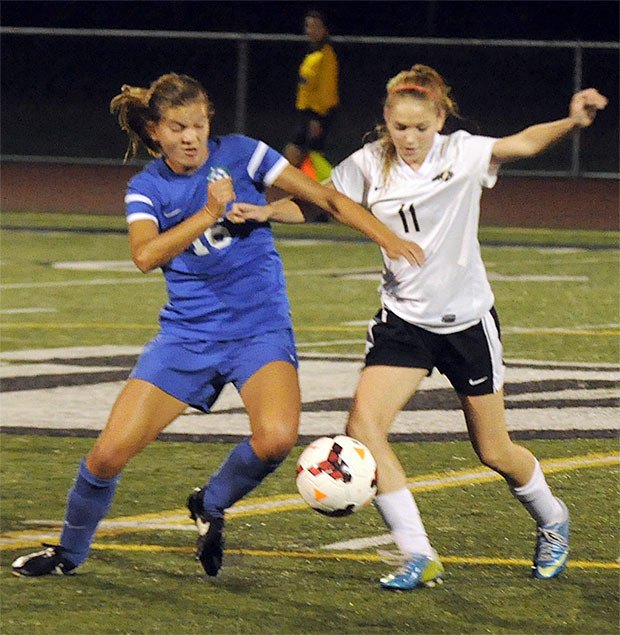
<point x="418" y="570"/>
<point x="551" y="553"/>
<point x="49" y="561"/>
<point x="210" y="543"/>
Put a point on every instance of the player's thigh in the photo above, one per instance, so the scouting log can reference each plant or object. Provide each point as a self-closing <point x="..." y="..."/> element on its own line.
<point x="140" y="413"/>
<point x="273" y="402"/>
<point x="382" y="392"/>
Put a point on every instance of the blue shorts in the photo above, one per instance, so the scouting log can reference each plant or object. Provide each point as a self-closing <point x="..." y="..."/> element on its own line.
<point x="196" y="372"/>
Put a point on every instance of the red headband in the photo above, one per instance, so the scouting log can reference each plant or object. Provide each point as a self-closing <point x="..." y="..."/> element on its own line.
<point x="421" y="89"/>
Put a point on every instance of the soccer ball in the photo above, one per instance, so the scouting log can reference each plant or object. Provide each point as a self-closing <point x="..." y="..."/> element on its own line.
<point x="336" y="476"/>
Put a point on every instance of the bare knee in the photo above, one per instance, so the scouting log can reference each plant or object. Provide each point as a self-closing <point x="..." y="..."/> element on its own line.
<point x="500" y="460"/>
<point x="365" y="429"/>
<point x="275" y="443"/>
<point x="358" y="430"/>
<point x="106" y="461"/>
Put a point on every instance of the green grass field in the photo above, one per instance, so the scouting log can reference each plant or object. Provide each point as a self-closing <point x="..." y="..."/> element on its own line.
<point x="278" y="579"/>
<point x="556" y="305"/>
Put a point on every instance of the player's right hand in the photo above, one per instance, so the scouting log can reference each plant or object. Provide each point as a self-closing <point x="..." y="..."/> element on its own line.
<point x="219" y="194"/>
<point x="399" y="248"/>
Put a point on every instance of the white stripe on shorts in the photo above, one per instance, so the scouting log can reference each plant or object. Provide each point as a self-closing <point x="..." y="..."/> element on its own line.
<point x="370" y="337"/>
<point x="496" y="350"/>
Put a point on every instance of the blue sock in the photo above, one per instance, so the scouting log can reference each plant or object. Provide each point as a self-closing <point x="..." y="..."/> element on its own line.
<point x="88" y="502"/>
<point x="240" y="473"/>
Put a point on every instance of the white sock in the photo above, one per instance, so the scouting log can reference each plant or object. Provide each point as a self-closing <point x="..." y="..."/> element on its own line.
<point x="537" y="498"/>
<point x="401" y="515"/>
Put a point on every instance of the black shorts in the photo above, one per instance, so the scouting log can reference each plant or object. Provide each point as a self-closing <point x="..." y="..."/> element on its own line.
<point x="302" y="137"/>
<point x="470" y="359"/>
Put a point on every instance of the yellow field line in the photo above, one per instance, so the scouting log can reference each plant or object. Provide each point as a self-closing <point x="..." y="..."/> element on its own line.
<point x="441" y="480"/>
<point x="315" y="555"/>
<point x="567" y="332"/>
<point x="285" y="502"/>
<point x="357" y="557"/>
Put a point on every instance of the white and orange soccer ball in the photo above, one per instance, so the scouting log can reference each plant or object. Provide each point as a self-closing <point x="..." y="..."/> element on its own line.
<point x="337" y="476"/>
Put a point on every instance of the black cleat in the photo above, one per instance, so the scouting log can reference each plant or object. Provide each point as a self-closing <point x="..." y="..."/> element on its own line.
<point x="49" y="561"/>
<point x="210" y="543"/>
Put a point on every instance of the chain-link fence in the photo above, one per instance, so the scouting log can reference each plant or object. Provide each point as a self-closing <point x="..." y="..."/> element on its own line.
<point x="57" y="85"/>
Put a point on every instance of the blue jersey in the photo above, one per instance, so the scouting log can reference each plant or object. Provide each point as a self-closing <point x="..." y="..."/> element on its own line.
<point x="229" y="283"/>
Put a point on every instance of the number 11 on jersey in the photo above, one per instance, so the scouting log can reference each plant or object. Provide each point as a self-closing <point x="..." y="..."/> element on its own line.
<point x="402" y="212"/>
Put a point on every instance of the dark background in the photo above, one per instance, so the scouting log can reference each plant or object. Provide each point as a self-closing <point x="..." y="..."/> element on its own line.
<point x="555" y="20"/>
<point x="56" y="90"/>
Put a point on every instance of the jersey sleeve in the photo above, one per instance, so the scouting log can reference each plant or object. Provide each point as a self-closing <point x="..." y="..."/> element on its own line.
<point x="265" y="164"/>
<point x="480" y="149"/>
<point x="142" y="200"/>
<point x="348" y="177"/>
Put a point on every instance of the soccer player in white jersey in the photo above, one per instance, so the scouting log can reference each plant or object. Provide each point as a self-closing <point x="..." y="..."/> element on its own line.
<point x="426" y="186"/>
<point x="227" y="319"/>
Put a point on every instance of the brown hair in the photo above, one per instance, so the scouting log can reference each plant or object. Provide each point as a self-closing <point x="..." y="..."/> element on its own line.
<point x="421" y="82"/>
<point x="135" y="107"/>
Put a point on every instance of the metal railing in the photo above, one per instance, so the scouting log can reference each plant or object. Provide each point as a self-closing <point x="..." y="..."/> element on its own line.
<point x="574" y="61"/>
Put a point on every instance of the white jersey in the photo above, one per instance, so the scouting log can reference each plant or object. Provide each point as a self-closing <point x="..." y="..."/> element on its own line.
<point x="437" y="207"/>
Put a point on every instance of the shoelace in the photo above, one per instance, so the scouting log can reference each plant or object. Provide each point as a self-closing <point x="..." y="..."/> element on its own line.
<point x="406" y="566"/>
<point x="49" y="552"/>
<point x="552" y="541"/>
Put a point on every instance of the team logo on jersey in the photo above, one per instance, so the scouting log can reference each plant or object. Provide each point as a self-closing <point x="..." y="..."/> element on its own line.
<point x="444" y="176"/>
<point x="217" y="173"/>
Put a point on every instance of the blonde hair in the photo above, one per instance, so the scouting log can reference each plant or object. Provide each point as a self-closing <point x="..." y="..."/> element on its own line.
<point x="135" y="107"/>
<point x="421" y="82"/>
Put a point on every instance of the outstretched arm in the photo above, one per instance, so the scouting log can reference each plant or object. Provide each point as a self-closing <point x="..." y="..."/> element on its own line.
<point x="283" y="210"/>
<point x="535" y="139"/>
<point x="347" y="212"/>
<point x="295" y="183"/>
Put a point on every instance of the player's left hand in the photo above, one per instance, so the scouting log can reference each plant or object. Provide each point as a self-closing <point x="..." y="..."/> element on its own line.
<point x="242" y="212"/>
<point x="584" y="105"/>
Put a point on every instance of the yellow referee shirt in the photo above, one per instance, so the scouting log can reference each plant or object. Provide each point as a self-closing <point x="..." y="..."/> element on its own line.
<point x="317" y="89"/>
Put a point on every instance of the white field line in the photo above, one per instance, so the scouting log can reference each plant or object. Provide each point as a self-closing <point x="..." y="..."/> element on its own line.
<point x="77" y="283"/>
<point x="73" y="352"/>
<point x="360" y="543"/>
<point x="30" y="370"/>
<point x="325" y="344"/>
<point x="579" y="328"/>
<point x="542" y="362"/>
<point x="30" y="310"/>
<point x="176" y="521"/>
<point x="78" y="352"/>
<point x="97" y="265"/>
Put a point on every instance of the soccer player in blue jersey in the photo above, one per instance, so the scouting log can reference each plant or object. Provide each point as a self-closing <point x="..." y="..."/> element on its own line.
<point x="227" y="319"/>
